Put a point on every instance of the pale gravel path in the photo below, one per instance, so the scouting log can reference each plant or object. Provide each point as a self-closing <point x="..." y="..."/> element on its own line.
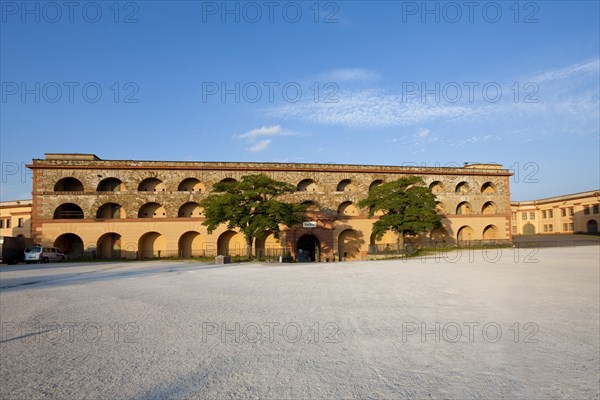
<point x="362" y="310"/>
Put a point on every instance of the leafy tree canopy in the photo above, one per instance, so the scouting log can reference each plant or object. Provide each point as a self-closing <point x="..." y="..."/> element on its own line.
<point x="251" y="206"/>
<point x="408" y="207"/>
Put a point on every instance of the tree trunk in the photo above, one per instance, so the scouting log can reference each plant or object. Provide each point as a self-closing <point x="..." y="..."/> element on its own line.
<point x="249" y="241"/>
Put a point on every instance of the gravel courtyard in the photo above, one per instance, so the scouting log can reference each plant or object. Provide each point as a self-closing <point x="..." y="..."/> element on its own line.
<point x="513" y="324"/>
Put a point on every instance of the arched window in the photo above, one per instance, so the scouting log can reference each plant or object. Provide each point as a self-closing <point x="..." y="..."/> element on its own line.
<point x="190" y="185"/>
<point x="344" y="186"/>
<point x="306" y="185"/>
<point x="68" y="211"/>
<point x="151" y="185"/>
<point x="488" y="188"/>
<point x="436" y="187"/>
<point x="462" y="187"/>
<point x="110" y="185"/>
<point x="68" y="185"/>
<point x="152" y="210"/>
<point x="463" y="208"/>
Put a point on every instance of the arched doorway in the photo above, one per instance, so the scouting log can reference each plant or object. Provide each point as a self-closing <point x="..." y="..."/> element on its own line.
<point x="592" y="226"/>
<point x="528" y="229"/>
<point x="151" y="245"/>
<point x="349" y="244"/>
<point x="190" y="245"/>
<point x="465" y="234"/>
<point x="231" y="243"/>
<point x="70" y="244"/>
<point x="109" y="246"/>
<point x="308" y="249"/>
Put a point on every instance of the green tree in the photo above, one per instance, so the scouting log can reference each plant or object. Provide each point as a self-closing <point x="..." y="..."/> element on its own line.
<point x="251" y="206"/>
<point x="408" y="207"/>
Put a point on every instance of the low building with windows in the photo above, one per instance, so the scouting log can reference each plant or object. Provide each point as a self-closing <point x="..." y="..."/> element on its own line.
<point x="144" y="209"/>
<point x="572" y="213"/>
<point x="15" y="218"/>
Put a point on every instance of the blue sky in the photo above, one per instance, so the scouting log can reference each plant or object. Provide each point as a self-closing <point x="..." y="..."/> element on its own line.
<point x="394" y="83"/>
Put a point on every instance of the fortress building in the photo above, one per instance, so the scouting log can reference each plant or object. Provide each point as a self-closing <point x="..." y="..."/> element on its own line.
<point x="571" y="213"/>
<point x="125" y="208"/>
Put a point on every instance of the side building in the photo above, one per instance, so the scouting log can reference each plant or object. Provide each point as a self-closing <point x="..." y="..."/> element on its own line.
<point x="15" y="218"/>
<point x="572" y="213"/>
<point x="144" y="209"/>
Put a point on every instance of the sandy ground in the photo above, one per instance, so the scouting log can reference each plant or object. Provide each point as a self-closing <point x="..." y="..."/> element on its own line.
<point x="466" y="325"/>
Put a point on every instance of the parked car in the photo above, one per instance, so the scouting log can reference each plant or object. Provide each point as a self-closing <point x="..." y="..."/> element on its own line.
<point x="43" y="254"/>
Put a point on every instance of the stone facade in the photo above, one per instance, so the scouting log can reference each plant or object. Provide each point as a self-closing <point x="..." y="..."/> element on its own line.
<point x="81" y="202"/>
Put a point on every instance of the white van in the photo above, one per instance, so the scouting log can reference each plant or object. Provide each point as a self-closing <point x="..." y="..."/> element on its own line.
<point x="43" y="254"/>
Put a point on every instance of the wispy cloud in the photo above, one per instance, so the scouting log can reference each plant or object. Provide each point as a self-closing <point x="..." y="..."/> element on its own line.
<point x="350" y="75"/>
<point x="568" y="72"/>
<point x="374" y="108"/>
<point x="423" y="132"/>
<point x="260" y="146"/>
<point x="263" y="131"/>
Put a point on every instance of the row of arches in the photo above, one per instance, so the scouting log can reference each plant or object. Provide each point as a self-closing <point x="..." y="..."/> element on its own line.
<point x="462" y="188"/>
<point x="116" y="211"/>
<point x="71" y="184"/>
<point x="153" y="184"/>
<point x="193" y="210"/>
<point x="154" y="245"/>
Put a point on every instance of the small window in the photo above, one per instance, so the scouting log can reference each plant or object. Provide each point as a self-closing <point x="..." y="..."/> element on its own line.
<point x="595" y="208"/>
<point x="586" y="210"/>
<point x="550" y="228"/>
<point x="544" y="214"/>
<point x="563" y="212"/>
<point x="531" y="215"/>
<point x="524" y="216"/>
<point x="571" y="226"/>
<point x="545" y="228"/>
<point x="571" y="211"/>
<point x="514" y="216"/>
<point x="550" y="214"/>
<point x="514" y="229"/>
<point x="565" y="227"/>
<point x="20" y="222"/>
<point x="8" y="223"/>
<point x="1" y="223"/>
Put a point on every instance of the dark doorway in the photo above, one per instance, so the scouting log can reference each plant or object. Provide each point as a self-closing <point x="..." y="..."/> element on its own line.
<point x="308" y="249"/>
<point x="592" y="226"/>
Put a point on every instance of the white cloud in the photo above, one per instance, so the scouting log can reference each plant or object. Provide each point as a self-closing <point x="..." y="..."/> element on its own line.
<point x="260" y="146"/>
<point x="263" y="131"/>
<point x="373" y="108"/>
<point x="423" y="132"/>
<point x="568" y="72"/>
<point x="350" y="75"/>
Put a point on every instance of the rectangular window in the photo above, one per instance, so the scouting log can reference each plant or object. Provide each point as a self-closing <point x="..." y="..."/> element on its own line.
<point x="531" y="215"/>
<point x="544" y="214"/>
<point x="1" y="223"/>
<point x="514" y="229"/>
<point x="8" y="223"/>
<point x="545" y="228"/>
<point x="514" y="215"/>
<point x="20" y="222"/>
<point x="596" y="209"/>
<point x="523" y="216"/>
<point x="563" y="212"/>
<point x="550" y="228"/>
<point x="565" y="227"/>
<point x="571" y="212"/>
<point x="550" y="214"/>
<point x="571" y="226"/>
<point x="586" y="210"/>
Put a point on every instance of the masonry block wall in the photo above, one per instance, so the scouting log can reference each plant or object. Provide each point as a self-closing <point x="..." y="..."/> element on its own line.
<point x="81" y="202"/>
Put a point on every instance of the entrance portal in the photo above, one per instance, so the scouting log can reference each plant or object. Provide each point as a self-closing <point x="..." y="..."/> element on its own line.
<point x="308" y="249"/>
